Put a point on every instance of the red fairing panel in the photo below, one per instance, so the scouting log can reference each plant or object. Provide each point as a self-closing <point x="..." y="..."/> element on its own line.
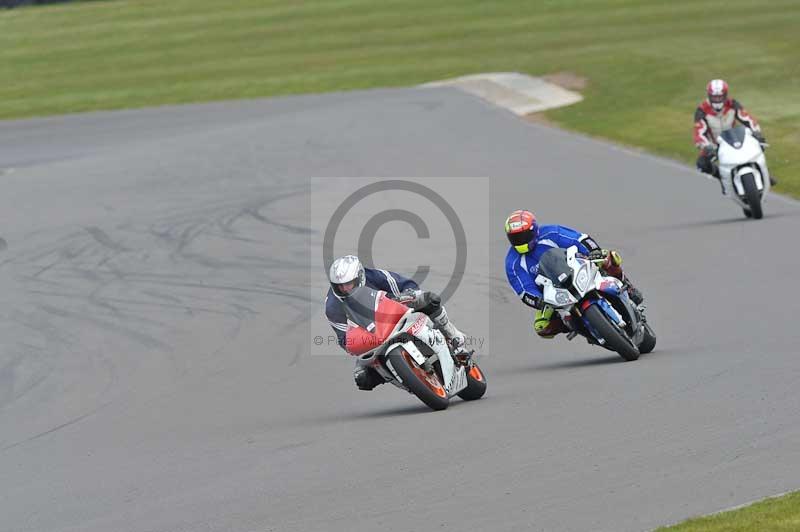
<point x="388" y="313"/>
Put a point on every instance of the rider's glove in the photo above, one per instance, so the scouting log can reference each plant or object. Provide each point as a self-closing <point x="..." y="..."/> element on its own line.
<point x="610" y="258"/>
<point x="759" y="137"/>
<point x="598" y="254"/>
<point x="409" y="297"/>
<point x="615" y="258"/>
<point x="531" y="301"/>
<point x="710" y="151"/>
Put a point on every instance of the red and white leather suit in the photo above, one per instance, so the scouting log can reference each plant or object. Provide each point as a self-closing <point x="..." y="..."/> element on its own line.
<point x="709" y="124"/>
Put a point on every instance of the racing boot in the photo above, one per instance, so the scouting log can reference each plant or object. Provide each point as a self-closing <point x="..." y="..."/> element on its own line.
<point x="721" y="183"/>
<point x="547" y="324"/>
<point x="713" y="173"/>
<point x="366" y="378"/>
<point x="612" y="262"/>
<point x="613" y="267"/>
<point x="453" y="335"/>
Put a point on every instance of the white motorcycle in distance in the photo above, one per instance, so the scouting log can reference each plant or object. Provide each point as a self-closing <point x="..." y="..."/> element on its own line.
<point x="743" y="169"/>
<point x="405" y="348"/>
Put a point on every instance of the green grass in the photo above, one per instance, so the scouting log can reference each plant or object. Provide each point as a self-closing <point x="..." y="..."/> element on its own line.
<point x="647" y="62"/>
<point x="781" y="514"/>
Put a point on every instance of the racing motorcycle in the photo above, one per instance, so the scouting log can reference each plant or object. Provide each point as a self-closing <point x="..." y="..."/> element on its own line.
<point x="405" y="348"/>
<point x="743" y="169"/>
<point x="593" y="305"/>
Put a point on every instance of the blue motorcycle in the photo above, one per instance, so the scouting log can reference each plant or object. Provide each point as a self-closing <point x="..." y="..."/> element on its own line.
<point x="593" y="305"/>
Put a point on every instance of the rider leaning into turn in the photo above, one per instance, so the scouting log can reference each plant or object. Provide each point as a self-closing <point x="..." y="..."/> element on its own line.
<point x="347" y="273"/>
<point x="529" y="241"/>
<point x="713" y="116"/>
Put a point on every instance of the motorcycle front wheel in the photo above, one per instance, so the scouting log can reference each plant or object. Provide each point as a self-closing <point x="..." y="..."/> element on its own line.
<point x="615" y="339"/>
<point x="426" y="386"/>
<point x="752" y="196"/>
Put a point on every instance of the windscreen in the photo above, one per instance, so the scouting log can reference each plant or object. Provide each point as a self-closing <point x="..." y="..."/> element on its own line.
<point x="553" y="264"/>
<point x="734" y="136"/>
<point x="360" y="306"/>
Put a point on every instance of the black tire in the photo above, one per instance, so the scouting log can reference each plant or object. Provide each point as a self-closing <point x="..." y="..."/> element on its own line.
<point x="752" y="195"/>
<point x="417" y="380"/>
<point x="649" y="340"/>
<point x="614" y="337"/>
<point x="476" y="384"/>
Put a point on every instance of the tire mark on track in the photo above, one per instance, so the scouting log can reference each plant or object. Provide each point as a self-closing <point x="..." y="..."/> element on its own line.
<point x="104" y="240"/>
<point x="141" y="338"/>
<point x="115" y="279"/>
<point x="64" y="425"/>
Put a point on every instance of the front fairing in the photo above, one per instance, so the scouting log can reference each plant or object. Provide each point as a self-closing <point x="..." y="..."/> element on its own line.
<point x="565" y="277"/>
<point x="372" y="319"/>
<point x="730" y="155"/>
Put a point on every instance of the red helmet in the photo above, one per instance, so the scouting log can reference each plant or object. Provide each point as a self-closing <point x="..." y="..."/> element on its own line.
<point x="522" y="230"/>
<point x="717" y="91"/>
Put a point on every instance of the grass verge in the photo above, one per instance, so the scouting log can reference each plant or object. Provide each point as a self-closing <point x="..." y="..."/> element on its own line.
<point x="647" y="62"/>
<point x="779" y="514"/>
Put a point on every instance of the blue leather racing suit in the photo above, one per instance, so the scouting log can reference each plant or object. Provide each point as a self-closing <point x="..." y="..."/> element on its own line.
<point x="522" y="268"/>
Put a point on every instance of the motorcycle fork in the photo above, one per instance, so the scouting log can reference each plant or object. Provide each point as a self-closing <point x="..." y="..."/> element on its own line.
<point x="581" y="328"/>
<point x="576" y="323"/>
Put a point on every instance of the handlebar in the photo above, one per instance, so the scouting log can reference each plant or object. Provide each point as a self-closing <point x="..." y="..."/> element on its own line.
<point x="596" y="262"/>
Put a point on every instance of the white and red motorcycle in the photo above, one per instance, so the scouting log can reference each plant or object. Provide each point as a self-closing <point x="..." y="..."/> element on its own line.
<point x="405" y="348"/>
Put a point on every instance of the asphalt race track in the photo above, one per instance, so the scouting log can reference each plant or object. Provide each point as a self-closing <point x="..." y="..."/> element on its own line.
<point x="161" y="281"/>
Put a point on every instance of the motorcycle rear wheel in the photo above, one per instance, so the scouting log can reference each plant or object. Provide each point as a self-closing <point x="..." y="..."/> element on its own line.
<point x="614" y="337"/>
<point x="476" y="384"/>
<point x="649" y="341"/>
<point x="426" y="386"/>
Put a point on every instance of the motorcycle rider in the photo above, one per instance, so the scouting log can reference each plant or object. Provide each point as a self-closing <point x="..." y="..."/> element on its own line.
<point x="347" y="273"/>
<point x="713" y="116"/>
<point x="529" y="241"/>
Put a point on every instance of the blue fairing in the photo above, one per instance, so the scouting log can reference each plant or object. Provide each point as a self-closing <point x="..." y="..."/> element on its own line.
<point x="614" y="287"/>
<point x="609" y="310"/>
<point x="610" y="288"/>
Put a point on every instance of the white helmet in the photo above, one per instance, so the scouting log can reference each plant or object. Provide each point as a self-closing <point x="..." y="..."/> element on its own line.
<point x="346" y="274"/>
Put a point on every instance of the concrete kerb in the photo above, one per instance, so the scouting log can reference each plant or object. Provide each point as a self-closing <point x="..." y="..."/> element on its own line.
<point x="519" y="93"/>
